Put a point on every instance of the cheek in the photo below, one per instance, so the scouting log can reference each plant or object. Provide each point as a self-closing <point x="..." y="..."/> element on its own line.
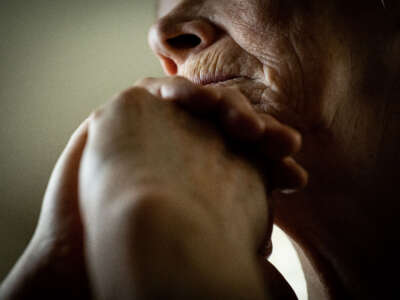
<point x="281" y="67"/>
<point x="255" y="26"/>
<point x="293" y="65"/>
<point x="242" y="15"/>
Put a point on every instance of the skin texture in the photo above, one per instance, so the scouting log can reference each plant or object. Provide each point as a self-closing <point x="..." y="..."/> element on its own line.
<point x="130" y="192"/>
<point x="331" y="70"/>
<point x="152" y="209"/>
<point x="169" y="160"/>
<point x="156" y="212"/>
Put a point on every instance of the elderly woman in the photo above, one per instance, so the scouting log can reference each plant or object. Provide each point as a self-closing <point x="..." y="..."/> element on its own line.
<point x="170" y="190"/>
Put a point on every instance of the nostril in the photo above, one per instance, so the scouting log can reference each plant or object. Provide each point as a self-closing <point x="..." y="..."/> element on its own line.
<point x="184" y="41"/>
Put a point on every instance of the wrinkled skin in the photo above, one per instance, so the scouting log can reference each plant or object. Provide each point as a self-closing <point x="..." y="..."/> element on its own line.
<point x="146" y="160"/>
<point x="166" y="147"/>
<point x="331" y="70"/>
<point x="326" y="68"/>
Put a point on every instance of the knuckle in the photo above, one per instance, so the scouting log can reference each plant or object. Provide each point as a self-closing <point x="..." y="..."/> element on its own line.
<point x="132" y="93"/>
<point x="186" y="86"/>
<point x="96" y="115"/>
<point x="179" y="88"/>
<point x="95" y="121"/>
<point x="131" y="96"/>
<point x="180" y="80"/>
<point x="127" y="102"/>
<point x="145" y="81"/>
<point x="79" y="132"/>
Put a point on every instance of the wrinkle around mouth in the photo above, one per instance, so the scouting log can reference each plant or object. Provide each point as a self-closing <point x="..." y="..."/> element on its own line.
<point x="220" y="63"/>
<point x="210" y="79"/>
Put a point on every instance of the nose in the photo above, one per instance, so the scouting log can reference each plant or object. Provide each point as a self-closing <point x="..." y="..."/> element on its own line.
<point x="175" y="41"/>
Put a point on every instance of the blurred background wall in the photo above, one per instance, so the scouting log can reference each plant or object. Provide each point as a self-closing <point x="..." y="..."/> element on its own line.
<point x="58" y="61"/>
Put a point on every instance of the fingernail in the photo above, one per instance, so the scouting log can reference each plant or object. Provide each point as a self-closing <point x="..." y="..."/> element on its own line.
<point x="288" y="191"/>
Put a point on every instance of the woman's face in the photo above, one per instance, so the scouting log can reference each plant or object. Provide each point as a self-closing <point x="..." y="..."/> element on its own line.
<point x="312" y="64"/>
<point x="284" y="57"/>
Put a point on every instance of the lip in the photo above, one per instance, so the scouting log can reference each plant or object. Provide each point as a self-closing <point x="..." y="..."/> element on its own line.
<point x="252" y="89"/>
<point x="249" y="87"/>
<point x="216" y="79"/>
<point x="210" y="80"/>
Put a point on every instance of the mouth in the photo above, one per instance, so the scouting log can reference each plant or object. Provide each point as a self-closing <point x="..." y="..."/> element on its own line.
<point x="258" y="94"/>
<point x="209" y="80"/>
<point x="251" y="88"/>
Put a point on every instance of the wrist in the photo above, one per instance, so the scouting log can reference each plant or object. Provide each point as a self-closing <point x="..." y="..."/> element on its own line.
<point x="167" y="247"/>
<point x="39" y="274"/>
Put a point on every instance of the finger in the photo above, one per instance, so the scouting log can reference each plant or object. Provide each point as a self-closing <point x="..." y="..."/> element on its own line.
<point x="288" y="176"/>
<point x="278" y="140"/>
<point x="231" y="107"/>
<point x="237" y="116"/>
<point x="194" y="97"/>
<point x="174" y="88"/>
<point x="151" y="84"/>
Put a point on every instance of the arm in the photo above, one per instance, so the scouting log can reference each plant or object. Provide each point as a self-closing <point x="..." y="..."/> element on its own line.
<point x="52" y="266"/>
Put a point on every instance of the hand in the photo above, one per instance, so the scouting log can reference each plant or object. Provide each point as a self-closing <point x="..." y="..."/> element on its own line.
<point x="164" y="201"/>
<point x="53" y="264"/>
<point x="274" y="144"/>
<point x="270" y="142"/>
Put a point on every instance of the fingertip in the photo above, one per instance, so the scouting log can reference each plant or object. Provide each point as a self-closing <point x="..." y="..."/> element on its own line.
<point x="238" y="115"/>
<point x="288" y="191"/>
<point x="143" y="82"/>
<point x="298" y="177"/>
<point x="304" y="177"/>
<point x="242" y="125"/>
<point x="151" y="84"/>
<point x="280" y="141"/>
<point x="168" y="92"/>
<point x="294" y="140"/>
<point x="289" y="176"/>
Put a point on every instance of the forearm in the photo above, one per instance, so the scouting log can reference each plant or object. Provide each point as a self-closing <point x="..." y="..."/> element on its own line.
<point x="32" y="276"/>
<point x="36" y="275"/>
<point x="159" y="248"/>
<point x="23" y="281"/>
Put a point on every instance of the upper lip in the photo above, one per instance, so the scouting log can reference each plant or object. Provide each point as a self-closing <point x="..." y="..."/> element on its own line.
<point x="207" y="79"/>
<point x="212" y="68"/>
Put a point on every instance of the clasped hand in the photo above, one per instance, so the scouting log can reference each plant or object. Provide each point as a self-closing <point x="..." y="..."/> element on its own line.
<point x="167" y="161"/>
